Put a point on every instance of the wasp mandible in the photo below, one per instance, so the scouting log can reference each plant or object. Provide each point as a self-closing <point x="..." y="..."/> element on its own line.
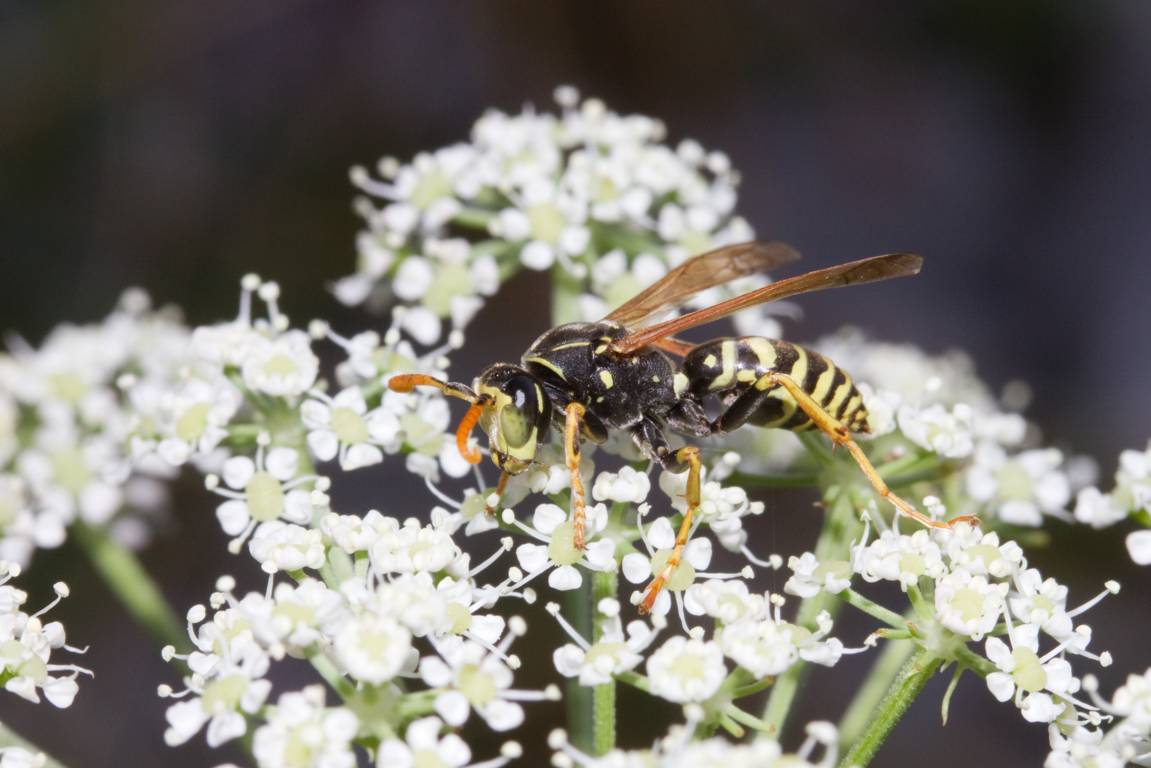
<point x="617" y="374"/>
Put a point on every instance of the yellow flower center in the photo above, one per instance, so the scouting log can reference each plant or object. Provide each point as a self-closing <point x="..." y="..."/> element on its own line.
<point x="265" y="497"/>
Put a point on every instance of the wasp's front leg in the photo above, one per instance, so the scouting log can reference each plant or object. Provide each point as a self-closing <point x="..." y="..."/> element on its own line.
<point x="573" y="416"/>
<point x="501" y="486"/>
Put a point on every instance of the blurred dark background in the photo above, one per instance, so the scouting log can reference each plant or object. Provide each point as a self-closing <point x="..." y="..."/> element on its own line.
<point x="176" y="146"/>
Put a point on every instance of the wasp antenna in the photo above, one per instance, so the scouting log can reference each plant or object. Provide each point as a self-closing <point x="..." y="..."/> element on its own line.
<point x="464" y="431"/>
<point x="406" y="382"/>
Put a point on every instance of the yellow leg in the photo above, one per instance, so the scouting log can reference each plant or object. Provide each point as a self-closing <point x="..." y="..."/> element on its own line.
<point x="500" y="487"/>
<point x="574" y="414"/>
<point x="841" y="435"/>
<point x="690" y="454"/>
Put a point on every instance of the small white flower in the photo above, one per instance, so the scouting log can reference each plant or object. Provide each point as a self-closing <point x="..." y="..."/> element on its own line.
<point x="770" y="646"/>
<point x="659" y="540"/>
<point x="810" y="576"/>
<point x="627" y="486"/>
<point x="1019" y="489"/>
<point x="342" y="426"/>
<point x="410" y="547"/>
<point x="727" y="601"/>
<point x="261" y="491"/>
<point x="301" y="731"/>
<point x="469" y="677"/>
<point x="280" y="546"/>
<point x="1098" y="509"/>
<point x="597" y="663"/>
<point x="372" y="648"/>
<point x="980" y="553"/>
<point x="556" y="554"/>
<point x="947" y="432"/>
<point x="281" y="367"/>
<point x="899" y="557"/>
<point x="1037" y="683"/>
<point x="968" y="604"/>
<point x="683" y="670"/>
<point x="196" y="418"/>
<point x="424" y="746"/>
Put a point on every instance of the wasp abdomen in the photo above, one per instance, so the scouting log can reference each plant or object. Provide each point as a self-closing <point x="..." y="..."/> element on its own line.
<point x="728" y="368"/>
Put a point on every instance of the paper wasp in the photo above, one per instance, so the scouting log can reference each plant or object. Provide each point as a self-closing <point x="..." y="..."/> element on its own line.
<point x="616" y="374"/>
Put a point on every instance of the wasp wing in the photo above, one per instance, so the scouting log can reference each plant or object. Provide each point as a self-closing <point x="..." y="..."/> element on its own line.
<point x="852" y="273"/>
<point x="699" y="273"/>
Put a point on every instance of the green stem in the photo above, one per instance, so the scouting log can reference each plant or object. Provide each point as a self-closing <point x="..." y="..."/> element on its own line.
<point x="840" y="525"/>
<point x="909" y="683"/>
<point x="604" y="585"/>
<point x="873" y="609"/>
<point x="9" y="738"/>
<point x="578" y="604"/>
<point x="785" y="480"/>
<point x="867" y="698"/>
<point x="131" y="584"/>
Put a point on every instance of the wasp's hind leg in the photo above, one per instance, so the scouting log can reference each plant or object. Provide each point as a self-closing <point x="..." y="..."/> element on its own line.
<point x="741" y="410"/>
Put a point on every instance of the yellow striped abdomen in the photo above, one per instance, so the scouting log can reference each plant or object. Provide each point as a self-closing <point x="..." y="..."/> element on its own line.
<point x="731" y="367"/>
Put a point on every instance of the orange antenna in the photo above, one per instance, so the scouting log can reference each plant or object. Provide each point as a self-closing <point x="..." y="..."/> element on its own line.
<point x="406" y="382"/>
<point x="464" y="431"/>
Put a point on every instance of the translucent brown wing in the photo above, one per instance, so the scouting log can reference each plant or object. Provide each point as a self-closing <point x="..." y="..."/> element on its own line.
<point x="852" y="273"/>
<point x="699" y="273"/>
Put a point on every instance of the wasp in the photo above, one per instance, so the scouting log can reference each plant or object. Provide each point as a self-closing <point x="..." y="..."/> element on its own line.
<point x="587" y="379"/>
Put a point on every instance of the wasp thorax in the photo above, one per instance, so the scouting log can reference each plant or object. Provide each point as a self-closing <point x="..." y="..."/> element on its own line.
<point x="516" y="415"/>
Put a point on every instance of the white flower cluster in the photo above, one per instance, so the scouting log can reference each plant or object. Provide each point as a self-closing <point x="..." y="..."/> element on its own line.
<point x="397" y="604"/>
<point x="593" y="191"/>
<point x="678" y="750"/>
<point x="1131" y="496"/>
<point x="1126" y="741"/>
<point x="966" y="585"/>
<point x="26" y="646"/>
<point x="69" y="411"/>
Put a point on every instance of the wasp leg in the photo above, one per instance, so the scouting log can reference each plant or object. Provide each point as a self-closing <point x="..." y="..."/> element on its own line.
<point x="687" y="456"/>
<point x="573" y="415"/>
<point x="841" y="435"/>
<point x="500" y="487"/>
<point x="688" y="417"/>
<point x="649" y="438"/>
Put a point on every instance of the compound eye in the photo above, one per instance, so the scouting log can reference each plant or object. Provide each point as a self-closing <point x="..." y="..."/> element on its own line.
<point x="521" y="415"/>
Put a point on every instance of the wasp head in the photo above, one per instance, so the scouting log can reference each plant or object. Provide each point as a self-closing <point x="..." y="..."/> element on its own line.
<point x="516" y="414"/>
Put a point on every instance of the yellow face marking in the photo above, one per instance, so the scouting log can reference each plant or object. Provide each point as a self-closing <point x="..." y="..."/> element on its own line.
<point x="679" y="384"/>
<point x="764" y="350"/>
<point x="547" y="364"/>
<point x="607" y="379"/>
